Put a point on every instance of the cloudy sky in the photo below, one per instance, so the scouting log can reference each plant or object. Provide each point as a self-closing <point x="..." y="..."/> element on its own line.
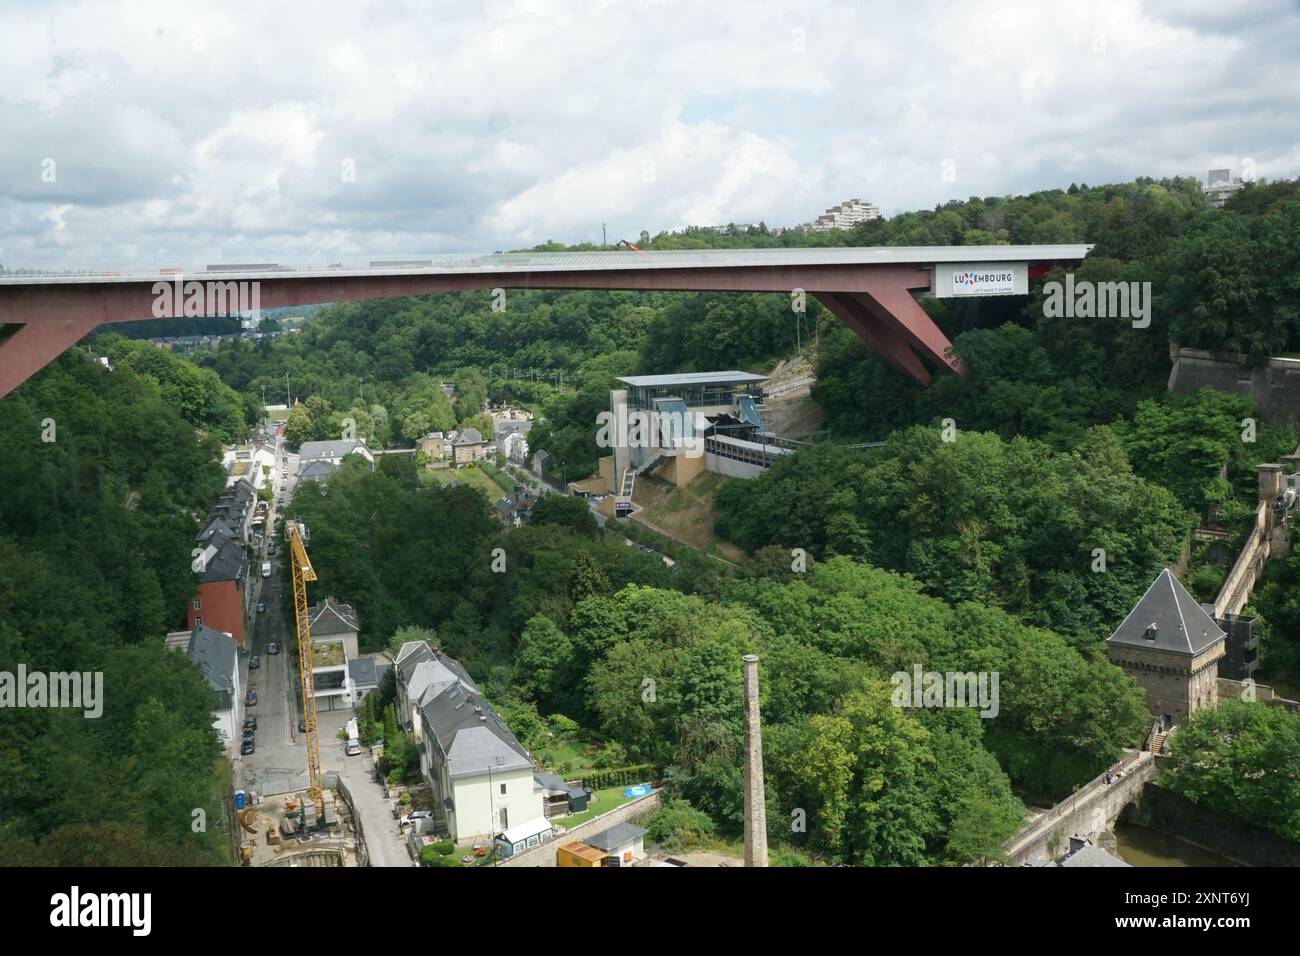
<point x="178" y="134"/>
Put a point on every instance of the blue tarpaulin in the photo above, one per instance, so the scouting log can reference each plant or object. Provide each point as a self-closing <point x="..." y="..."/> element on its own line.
<point x="639" y="790"/>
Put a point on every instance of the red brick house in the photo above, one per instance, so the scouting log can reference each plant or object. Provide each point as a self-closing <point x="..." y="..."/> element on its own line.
<point x="221" y="599"/>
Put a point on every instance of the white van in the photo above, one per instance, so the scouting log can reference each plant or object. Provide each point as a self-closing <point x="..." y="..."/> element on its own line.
<point x="266" y="569"/>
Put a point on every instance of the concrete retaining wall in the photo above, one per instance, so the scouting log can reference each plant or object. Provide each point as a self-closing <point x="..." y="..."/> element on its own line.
<point x="1275" y="385"/>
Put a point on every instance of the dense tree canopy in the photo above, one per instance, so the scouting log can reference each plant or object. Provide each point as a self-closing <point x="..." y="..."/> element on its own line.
<point x="103" y="480"/>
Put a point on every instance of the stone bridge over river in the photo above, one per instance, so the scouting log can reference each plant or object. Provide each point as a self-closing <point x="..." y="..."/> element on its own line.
<point x="1092" y="809"/>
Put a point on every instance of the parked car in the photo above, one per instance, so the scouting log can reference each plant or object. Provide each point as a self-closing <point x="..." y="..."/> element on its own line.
<point x="416" y="815"/>
<point x="261" y="607"/>
<point x="302" y="725"/>
<point x="247" y="747"/>
<point x="250" y="723"/>
<point x="273" y="648"/>
<point x="353" y="748"/>
<point x="254" y="663"/>
<point x="266" y="569"/>
<point x="250" y="699"/>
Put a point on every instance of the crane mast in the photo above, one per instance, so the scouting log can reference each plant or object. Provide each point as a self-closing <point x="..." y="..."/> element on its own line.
<point x="302" y="573"/>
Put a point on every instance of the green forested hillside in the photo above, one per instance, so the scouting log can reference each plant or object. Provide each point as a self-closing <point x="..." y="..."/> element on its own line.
<point x="103" y="479"/>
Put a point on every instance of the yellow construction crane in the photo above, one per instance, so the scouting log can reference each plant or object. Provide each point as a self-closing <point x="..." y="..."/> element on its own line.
<point x="302" y="573"/>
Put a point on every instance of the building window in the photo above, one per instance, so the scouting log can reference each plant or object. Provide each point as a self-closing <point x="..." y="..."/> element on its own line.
<point x="198" y="603"/>
<point x="505" y="820"/>
<point x="198" y="621"/>
<point x="503" y="789"/>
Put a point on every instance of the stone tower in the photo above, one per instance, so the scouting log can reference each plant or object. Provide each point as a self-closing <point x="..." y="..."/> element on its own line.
<point x="1172" y="648"/>
<point x="755" y="803"/>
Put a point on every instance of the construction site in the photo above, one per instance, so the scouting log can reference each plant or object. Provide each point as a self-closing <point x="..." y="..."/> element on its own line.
<point x="287" y="830"/>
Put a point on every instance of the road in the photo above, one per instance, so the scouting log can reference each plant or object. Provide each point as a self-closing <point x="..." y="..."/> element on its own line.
<point x="280" y="761"/>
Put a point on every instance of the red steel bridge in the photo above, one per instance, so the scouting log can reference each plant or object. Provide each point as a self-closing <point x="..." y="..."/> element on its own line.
<point x="873" y="291"/>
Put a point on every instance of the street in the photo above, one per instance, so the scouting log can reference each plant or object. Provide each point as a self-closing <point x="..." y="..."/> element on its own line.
<point x="279" y="763"/>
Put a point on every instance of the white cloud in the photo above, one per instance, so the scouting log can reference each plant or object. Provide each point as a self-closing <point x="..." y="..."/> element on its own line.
<point x="224" y="133"/>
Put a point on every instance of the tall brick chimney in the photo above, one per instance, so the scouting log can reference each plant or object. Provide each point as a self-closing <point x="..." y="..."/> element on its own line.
<point x="755" y="804"/>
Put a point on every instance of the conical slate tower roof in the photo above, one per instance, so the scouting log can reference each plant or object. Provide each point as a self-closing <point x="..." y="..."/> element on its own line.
<point x="1168" y="619"/>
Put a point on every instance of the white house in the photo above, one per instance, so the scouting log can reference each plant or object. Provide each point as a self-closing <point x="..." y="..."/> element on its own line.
<point x="624" y="842"/>
<point x="480" y="777"/>
<point x="214" y="654"/>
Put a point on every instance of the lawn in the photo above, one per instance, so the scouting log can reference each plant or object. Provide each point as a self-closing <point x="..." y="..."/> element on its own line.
<point x="469" y="475"/>
<point x="578" y="754"/>
<point x="602" y="801"/>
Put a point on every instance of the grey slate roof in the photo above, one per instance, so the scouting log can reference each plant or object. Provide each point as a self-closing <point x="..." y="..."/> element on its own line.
<point x="213" y="653"/>
<point x="227" y="564"/>
<point x="317" y="471"/>
<point x="469" y="732"/>
<point x="470" y="436"/>
<point x="331" y="617"/>
<point x="409" y="657"/>
<point x="1091" y="856"/>
<point x="363" y="672"/>
<point x="1181" y="624"/>
<point x="616" y="836"/>
<point x="553" y="782"/>
<point x="217" y="526"/>
<point x="335" y="448"/>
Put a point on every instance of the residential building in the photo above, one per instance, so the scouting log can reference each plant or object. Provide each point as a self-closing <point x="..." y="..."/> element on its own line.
<point x="1171" y="647"/>
<point x="844" y="215"/>
<point x="216" y="656"/>
<point x="252" y="462"/>
<point x="512" y="439"/>
<point x="317" y="471"/>
<point x="1220" y="184"/>
<point x="480" y="777"/>
<point x="507" y="509"/>
<point x="469" y="446"/>
<point x="333" y="619"/>
<point x="333" y="451"/>
<point x="331" y="676"/>
<point x="236" y="505"/>
<point x="222" y="599"/>
<point x="437" y="446"/>
<point x="367" y="674"/>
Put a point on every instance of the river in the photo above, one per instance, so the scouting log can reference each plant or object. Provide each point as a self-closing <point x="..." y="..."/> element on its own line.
<point x="1139" y="846"/>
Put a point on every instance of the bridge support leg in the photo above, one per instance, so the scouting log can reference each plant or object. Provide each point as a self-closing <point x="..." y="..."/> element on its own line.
<point x="897" y="310"/>
<point x="35" y="345"/>
<point x="885" y="340"/>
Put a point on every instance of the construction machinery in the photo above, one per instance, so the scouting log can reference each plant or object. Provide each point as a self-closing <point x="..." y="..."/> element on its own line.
<point x="303" y="573"/>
